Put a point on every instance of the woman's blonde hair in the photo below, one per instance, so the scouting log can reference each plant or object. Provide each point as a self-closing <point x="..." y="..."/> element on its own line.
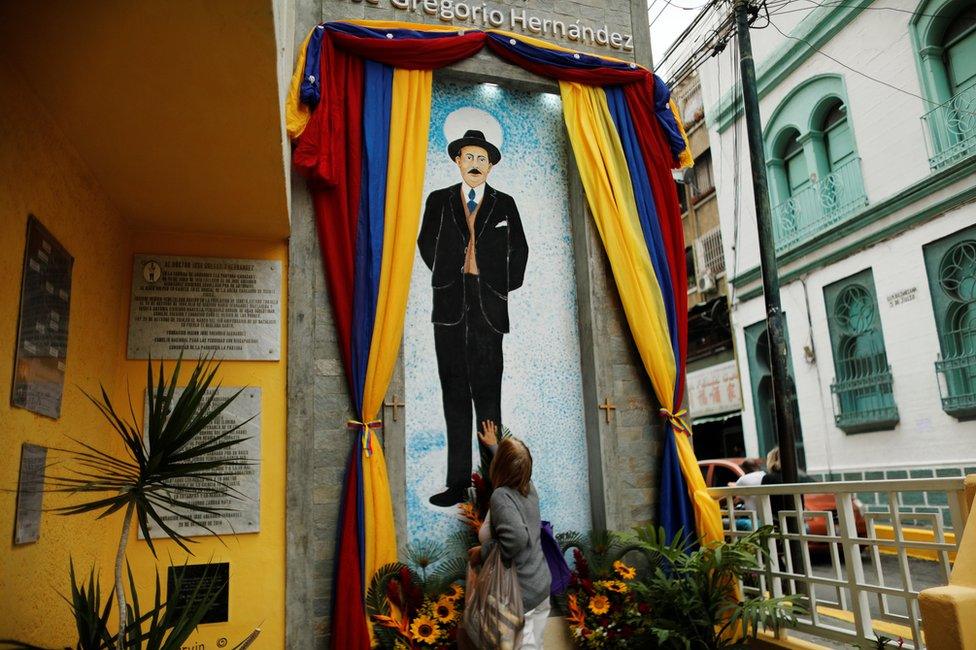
<point x="512" y="466"/>
<point x="772" y="460"/>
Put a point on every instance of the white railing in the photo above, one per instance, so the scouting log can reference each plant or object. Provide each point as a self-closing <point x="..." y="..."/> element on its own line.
<point x="857" y="571"/>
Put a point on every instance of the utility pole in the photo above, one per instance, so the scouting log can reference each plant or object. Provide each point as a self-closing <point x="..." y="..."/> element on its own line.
<point x="786" y="420"/>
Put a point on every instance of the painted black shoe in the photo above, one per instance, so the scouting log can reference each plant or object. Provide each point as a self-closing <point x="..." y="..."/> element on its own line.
<point x="449" y="497"/>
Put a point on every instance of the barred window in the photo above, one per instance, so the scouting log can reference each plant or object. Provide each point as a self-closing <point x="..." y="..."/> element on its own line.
<point x="710" y="254"/>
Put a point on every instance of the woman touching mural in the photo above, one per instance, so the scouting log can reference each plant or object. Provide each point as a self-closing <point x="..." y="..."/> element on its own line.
<point x="472" y="240"/>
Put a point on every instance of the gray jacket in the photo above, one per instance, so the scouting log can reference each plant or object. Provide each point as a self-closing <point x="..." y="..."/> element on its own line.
<point x="515" y="528"/>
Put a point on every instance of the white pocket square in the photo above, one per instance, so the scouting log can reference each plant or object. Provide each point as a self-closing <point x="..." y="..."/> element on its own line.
<point x="501" y="224"/>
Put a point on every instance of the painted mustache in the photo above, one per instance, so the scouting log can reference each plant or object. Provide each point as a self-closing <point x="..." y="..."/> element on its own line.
<point x="474" y="170"/>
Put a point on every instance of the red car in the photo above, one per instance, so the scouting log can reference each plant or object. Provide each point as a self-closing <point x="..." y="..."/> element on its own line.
<point x="719" y="472"/>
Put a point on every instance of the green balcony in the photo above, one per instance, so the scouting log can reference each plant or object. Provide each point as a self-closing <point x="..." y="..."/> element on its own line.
<point x="957" y="385"/>
<point x="951" y="129"/>
<point x="865" y="402"/>
<point x="819" y="206"/>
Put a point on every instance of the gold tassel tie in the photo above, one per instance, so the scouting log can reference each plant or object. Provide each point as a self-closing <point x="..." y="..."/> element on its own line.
<point x="677" y="420"/>
<point x="367" y="441"/>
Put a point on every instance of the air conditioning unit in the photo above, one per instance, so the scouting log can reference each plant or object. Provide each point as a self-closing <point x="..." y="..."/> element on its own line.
<point x="706" y="281"/>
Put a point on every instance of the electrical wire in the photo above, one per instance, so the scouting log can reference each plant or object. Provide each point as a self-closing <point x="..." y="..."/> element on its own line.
<point x="783" y="4"/>
<point x="863" y="74"/>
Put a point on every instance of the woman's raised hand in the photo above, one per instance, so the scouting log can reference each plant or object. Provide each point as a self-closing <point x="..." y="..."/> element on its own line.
<point x="488" y="434"/>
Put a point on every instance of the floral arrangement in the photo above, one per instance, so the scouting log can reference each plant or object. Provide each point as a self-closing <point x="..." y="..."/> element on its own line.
<point x="417" y="620"/>
<point x="603" y="610"/>
<point x="418" y="605"/>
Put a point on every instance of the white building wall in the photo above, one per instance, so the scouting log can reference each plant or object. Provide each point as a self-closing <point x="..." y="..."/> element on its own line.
<point x="890" y="142"/>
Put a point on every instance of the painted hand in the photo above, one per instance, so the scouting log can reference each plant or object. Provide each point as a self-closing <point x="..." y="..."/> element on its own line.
<point x="474" y="555"/>
<point x="488" y="434"/>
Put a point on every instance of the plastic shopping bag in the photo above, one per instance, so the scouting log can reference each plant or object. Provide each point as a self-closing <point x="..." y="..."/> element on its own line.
<point x="493" y="614"/>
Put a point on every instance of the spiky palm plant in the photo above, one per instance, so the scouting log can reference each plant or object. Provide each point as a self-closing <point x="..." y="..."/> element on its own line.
<point x="166" y="463"/>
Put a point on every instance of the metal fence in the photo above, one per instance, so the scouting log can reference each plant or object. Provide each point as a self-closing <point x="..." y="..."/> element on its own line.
<point x="859" y="573"/>
<point x="950" y="129"/>
<point x="819" y="205"/>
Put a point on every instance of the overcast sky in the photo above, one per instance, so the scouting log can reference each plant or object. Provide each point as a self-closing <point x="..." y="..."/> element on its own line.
<point x="674" y="17"/>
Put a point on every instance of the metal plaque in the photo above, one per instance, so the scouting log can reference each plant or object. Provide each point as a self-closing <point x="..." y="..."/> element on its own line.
<point x="245" y="482"/>
<point x="42" y="331"/>
<point x="195" y="582"/>
<point x="205" y="305"/>
<point x="30" y="493"/>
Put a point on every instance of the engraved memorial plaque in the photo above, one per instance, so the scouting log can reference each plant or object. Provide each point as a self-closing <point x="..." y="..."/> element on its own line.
<point x="196" y="580"/>
<point x="244" y="483"/>
<point x="30" y="493"/>
<point x="202" y="305"/>
<point x="42" y="331"/>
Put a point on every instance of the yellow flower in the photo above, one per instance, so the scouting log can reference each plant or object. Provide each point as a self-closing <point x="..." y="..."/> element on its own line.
<point x="456" y="592"/>
<point x="615" y="586"/>
<point x="599" y="604"/>
<point x="624" y="571"/>
<point x="425" y="630"/>
<point x="444" y="610"/>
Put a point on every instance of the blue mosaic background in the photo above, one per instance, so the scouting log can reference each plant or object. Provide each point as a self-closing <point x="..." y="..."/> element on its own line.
<point x="541" y="389"/>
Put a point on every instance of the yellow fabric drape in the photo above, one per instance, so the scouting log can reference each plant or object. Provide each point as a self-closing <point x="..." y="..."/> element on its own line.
<point x="405" y="183"/>
<point x="297" y="114"/>
<point x="610" y="194"/>
<point x="685" y="159"/>
<point x="606" y="180"/>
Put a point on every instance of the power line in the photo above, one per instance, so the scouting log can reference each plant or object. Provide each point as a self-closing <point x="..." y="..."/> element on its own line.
<point x="841" y="4"/>
<point x="686" y="33"/>
<point x="856" y="71"/>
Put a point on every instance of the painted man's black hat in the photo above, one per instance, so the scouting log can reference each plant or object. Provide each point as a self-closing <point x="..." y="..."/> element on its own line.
<point x="474" y="139"/>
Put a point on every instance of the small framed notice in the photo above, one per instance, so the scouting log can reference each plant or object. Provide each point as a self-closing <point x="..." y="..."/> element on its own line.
<point x="197" y="580"/>
<point x="42" y="329"/>
<point x="30" y="493"/>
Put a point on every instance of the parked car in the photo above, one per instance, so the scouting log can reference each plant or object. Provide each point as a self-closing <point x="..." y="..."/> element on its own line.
<point x="719" y="472"/>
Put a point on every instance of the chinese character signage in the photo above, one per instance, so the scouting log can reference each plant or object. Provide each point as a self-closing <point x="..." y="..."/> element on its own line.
<point x="714" y="390"/>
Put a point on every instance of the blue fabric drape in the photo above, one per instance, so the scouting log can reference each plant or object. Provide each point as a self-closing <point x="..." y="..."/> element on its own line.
<point x="377" y="104"/>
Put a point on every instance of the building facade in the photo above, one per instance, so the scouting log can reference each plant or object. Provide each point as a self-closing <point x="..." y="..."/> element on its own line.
<point x="869" y="126"/>
<point x="714" y="395"/>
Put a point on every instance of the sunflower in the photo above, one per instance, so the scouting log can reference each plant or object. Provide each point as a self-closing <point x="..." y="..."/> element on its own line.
<point x="615" y="586"/>
<point x="599" y="604"/>
<point x="624" y="571"/>
<point x="425" y="630"/>
<point x="444" y="610"/>
<point x="456" y="592"/>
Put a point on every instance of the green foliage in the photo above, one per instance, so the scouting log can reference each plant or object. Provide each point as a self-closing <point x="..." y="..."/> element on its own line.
<point x="693" y="595"/>
<point x="166" y="464"/>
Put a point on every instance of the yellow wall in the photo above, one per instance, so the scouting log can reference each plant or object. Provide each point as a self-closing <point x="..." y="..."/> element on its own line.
<point x="257" y="561"/>
<point x="41" y="174"/>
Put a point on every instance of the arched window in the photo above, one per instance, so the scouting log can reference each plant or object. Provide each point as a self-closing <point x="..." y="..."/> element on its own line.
<point x="814" y="171"/>
<point x="944" y="33"/>
<point x="951" y="266"/>
<point x="797" y="174"/>
<point x="838" y="139"/>
<point x="761" y="381"/>
<point x="862" y="389"/>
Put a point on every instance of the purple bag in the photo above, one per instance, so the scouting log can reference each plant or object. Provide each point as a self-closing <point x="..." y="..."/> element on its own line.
<point x="555" y="559"/>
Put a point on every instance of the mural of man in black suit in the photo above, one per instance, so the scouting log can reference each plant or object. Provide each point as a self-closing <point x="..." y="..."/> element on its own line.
<point x="472" y="240"/>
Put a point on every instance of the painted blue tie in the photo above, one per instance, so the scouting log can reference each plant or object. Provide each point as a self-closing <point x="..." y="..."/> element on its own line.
<point x="472" y="204"/>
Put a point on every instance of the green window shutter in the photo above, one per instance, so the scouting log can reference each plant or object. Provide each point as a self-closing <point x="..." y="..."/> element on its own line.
<point x="840" y="144"/>
<point x="950" y="265"/>
<point x="760" y="380"/>
<point x="797" y="175"/>
<point x="862" y="387"/>
<point x="961" y="61"/>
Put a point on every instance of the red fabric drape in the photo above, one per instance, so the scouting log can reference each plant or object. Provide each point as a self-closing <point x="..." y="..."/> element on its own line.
<point x="347" y="584"/>
<point x="597" y="77"/>
<point x="659" y="160"/>
<point x="329" y="153"/>
<point x="412" y="53"/>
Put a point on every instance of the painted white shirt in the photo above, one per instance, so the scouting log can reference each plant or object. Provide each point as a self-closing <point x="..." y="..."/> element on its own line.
<point x="478" y="192"/>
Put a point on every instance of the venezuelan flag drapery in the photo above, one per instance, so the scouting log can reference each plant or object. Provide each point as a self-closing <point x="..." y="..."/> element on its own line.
<point x="358" y="109"/>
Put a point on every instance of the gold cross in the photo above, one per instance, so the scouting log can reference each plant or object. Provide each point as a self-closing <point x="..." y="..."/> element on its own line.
<point x="607" y="406"/>
<point x="395" y="404"/>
